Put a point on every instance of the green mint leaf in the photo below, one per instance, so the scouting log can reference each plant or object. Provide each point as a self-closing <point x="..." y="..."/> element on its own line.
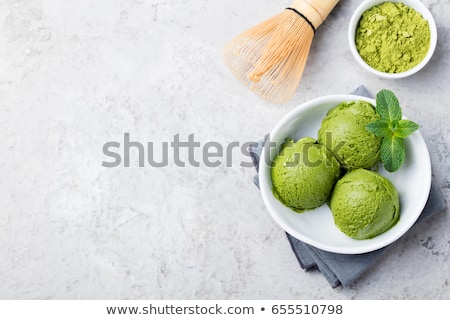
<point x="404" y="128"/>
<point x="392" y="152"/>
<point x="380" y="128"/>
<point x="387" y="106"/>
<point x="393" y="125"/>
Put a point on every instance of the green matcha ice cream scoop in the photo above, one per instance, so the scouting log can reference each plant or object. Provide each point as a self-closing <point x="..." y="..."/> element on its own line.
<point x="343" y="131"/>
<point x="303" y="174"/>
<point x="364" y="204"/>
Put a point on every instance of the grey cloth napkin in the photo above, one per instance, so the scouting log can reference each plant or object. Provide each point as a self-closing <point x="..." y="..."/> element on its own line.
<point x="343" y="269"/>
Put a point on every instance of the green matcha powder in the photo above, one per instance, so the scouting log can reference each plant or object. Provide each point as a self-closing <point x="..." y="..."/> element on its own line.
<point x="392" y="37"/>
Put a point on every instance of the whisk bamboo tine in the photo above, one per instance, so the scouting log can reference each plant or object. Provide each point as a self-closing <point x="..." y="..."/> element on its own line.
<point x="271" y="56"/>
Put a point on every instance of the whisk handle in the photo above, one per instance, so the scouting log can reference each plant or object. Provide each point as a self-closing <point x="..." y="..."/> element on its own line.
<point x="316" y="11"/>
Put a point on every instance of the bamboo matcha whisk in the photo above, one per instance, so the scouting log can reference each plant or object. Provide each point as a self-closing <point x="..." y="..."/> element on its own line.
<point x="271" y="56"/>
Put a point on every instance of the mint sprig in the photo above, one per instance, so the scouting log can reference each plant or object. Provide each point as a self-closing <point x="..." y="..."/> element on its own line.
<point x="392" y="128"/>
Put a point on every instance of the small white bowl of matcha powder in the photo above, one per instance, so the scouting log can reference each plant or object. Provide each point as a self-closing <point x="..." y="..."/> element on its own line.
<point x="392" y="39"/>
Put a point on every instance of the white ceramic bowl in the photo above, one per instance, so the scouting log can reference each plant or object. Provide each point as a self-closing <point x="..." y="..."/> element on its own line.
<point x="415" y="4"/>
<point x="316" y="227"/>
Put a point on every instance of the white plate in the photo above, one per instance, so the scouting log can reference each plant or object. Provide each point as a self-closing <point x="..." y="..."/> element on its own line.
<point x="316" y="227"/>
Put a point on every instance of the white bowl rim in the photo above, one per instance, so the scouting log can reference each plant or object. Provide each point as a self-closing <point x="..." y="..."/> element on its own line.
<point x="419" y="7"/>
<point x="267" y="195"/>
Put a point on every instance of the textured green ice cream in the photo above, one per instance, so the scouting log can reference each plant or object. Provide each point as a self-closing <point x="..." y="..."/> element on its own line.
<point x="364" y="204"/>
<point x="343" y="131"/>
<point x="303" y="174"/>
